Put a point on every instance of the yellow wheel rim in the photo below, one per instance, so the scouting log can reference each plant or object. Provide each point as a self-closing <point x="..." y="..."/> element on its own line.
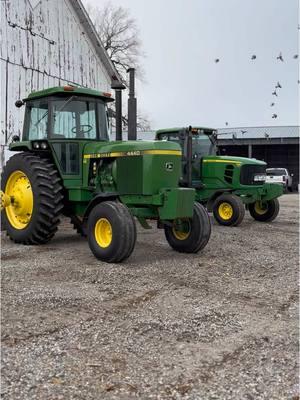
<point x="259" y="209"/>
<point x="179" y="234"/>
<point x="103" y="232"/>
<point x="18" y="189"/>
<point x="225" y="211"/>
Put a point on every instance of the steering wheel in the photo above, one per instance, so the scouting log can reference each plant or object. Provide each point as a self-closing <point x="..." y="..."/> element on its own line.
<point x="83" y="129"/>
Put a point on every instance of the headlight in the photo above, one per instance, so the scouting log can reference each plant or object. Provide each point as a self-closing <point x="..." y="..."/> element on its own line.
<point x="40" y="145"/>
<point x="259" y="178"/>
<point x="44" y="145"/>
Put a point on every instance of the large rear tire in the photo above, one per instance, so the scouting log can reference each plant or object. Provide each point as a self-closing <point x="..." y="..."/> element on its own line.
<point x="228" y="210"/>
<point x="264" y="211"/>
<point x="190" y="235"/>
<point x="111" y="232"/>
<point x="34" y="187"/>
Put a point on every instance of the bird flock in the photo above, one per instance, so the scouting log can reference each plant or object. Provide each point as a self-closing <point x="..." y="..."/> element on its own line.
<point x="277" y="86"/>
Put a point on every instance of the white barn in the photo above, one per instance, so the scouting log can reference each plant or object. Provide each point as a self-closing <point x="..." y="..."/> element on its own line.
<point x="46" y="43"/>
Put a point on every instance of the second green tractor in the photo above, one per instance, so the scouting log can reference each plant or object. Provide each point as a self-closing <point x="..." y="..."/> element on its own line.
<point x="225" y="185"/>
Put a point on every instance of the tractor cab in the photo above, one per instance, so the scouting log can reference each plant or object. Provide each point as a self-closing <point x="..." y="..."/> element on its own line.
<point x="196" y="143"/>
<point x="62" y="120"/>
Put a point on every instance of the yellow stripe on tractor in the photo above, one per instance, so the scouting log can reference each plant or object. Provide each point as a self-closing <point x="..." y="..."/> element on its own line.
<point x="134" y="153"/>
<point x="223" y="161"/>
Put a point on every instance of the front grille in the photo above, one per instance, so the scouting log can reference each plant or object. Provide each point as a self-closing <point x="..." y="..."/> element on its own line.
<point x="228" y="175"/>
<point x="249" y="171"/>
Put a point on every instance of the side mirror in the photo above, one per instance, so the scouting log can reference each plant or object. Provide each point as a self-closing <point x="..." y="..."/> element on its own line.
<point x="16" y="138"/>
<point x="19" y="103"/>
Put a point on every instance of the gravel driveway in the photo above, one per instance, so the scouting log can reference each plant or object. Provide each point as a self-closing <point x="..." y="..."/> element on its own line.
<point x="222" y="324"/>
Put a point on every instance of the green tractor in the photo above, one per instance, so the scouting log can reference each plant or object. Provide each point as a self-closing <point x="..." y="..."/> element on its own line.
<point x="225" y="185"/>
<point x="65" y="164"/>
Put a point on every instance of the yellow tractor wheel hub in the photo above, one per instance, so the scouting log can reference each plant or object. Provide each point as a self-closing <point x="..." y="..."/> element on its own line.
<point x="225" y="211"/>
<point x="18" y="200"/>
<point x="103" y="232"/>
<point x="259" y="209"/>
<point x="179" y="234"/>
<point x="5" y="200"/>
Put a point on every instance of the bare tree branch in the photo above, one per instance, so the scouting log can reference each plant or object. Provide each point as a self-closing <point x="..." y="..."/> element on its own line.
<point x="119" y="34"/>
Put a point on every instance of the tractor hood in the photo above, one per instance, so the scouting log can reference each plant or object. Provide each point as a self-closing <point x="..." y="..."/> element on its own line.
<point x="232" y="160"/>
<point x="130" y="148"/>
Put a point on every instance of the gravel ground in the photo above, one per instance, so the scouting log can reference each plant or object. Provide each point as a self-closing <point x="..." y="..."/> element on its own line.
<point x="222" y="324"/>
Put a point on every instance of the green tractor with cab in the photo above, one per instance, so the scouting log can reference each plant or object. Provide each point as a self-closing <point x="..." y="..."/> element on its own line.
<point x="225" y="185"/>
<point x="65" y="164"/>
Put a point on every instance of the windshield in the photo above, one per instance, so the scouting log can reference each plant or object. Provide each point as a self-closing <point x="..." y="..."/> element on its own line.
<point x="202" y="145"/>
<point x="276" y="172"/>
<point x="77" y="119"/>
<point x="72" y="118"/>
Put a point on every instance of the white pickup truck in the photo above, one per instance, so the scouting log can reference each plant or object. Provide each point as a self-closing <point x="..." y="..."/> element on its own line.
<point x="280" y="175"/>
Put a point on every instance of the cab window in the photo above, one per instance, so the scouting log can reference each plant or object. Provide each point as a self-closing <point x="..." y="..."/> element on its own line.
<point x="74" y="119"/>
<point x="36" y="120"/>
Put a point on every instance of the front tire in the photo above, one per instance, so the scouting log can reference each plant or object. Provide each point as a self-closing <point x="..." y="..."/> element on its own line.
<point x="190" y="235"/>
<point x="111" y="232"/>
<point x="264" y="211"/>
<point x="34" y="187"/>
<point x="228" y="210"/>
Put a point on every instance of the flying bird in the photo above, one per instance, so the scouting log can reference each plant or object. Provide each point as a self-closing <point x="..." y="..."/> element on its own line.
<point x="226" y="123"/>
<point x="272" y="104"/>
<point x="274" y="93"/>
<point x="295" y="56"/>
<point x="274" y="116"/>
<point x="278" y="86"/>
<point x="242" y="132"/>
<point x="280" y="57"/>
<point x="266" y="135"/>
<point x="253" y="57"/>
<point x="217" y="60"/>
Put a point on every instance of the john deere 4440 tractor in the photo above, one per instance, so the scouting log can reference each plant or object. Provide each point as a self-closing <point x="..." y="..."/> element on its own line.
<point x="66" y="165"/>
<point x="224" y="184"/>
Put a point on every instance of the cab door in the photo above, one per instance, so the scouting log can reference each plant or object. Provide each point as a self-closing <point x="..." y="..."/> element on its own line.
<point x="73" y="125"/>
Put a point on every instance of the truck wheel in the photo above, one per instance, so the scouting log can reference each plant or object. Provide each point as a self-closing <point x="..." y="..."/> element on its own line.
<point x="111" y="232"/>
<point x="32" y="199"/>
<point x="190" y="235"/>
<point x="264" y="211"/>
<point x="228" y="210"/>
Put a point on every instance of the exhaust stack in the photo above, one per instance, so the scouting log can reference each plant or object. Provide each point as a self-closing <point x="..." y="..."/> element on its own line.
<point x="118" y="90"/>
<point x="132" y="114"/>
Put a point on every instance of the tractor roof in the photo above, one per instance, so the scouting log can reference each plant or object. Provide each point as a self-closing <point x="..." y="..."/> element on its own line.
<point x="68" y="91"/>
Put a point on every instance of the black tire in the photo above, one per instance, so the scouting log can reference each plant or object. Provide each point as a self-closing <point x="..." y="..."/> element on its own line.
<point x="271" y="210"/>
<point x="235" y="207"/>
<point x="198" y="235"/>
<point x="123" y="231"/>
<point x="47" y="198"/>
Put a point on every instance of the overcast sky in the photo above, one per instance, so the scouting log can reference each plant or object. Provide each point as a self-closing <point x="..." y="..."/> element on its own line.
<point x="182" y="38"/>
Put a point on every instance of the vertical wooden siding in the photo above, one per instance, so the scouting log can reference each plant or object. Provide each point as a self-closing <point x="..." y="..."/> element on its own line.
<point x="42" y="44"/>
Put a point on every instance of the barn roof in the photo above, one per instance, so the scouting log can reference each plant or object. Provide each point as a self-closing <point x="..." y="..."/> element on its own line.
<point x="95" y="39"/>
